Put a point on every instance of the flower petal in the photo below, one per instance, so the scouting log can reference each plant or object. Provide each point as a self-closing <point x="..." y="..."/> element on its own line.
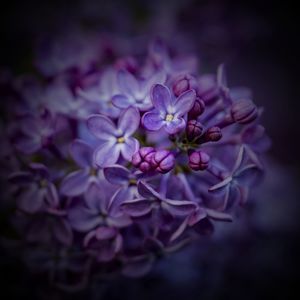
<point x="137" y="207"/>
<point x="146" y="191"/>
<point x="130" y="146"/>
<point x="101" y="127"/>
<point x="153" y="120"/>
<point x="122" y="101"/>
<point x="117" y="174"/>
<point x="107" y="154"/>
<point x="184" y="102"/>
<point x="81" y="152"/>
<point x="129" y="121"/>
<point x="127" y="82"/>
<point x="175" y="125"/>
<point x="161" y="98"/>
<point x="93" y="197"/>
<point x="32" y="199"/>
<point x="75" y="183"/>
<point x="179" y="208"/>
<point x="83" y="219"/>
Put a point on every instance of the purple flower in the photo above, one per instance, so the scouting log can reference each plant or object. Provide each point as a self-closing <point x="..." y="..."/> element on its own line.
<point x="152" y="200"/>
<point x="135" y="92"/>
<point x="36" y="133"/>
<point x="199" y="160"/>
<point x="77" y="182"/>
<point x="142" y="159"/>
<point x="116" y="139"/>
<point x="234" y="187"/>
<point x="163" y="161"/>
<point x="38" y="193"/>
<point x="168" y="112"/>
<point x="100" y="217"/>
<point x="102" y="92"/>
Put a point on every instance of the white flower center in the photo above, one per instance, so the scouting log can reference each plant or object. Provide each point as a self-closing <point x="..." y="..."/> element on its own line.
<point x="169" y="117"/>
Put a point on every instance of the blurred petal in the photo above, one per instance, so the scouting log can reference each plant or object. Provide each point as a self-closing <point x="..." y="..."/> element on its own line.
<point x="75" y="183"/>
<point x="127" y="82"/>
<point x="146" y="191"/>
<point x="122" y="101"/>
<point x="81" y="152"/>
<point x="32" y="199"/>
<point x="129" y="121"/>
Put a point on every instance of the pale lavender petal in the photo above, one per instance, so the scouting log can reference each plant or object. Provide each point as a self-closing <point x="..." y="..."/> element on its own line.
<point x="153" y="120"/>
<point x="117" y="174"/>
<point x="184" y="103"/>
<point x="218" y="215"/>
<point x="161" y="98"/>
<point x="127" y="82"/>
<point x="122" y="101"/>
<point x="75" y="183"/>
<point x="81" y="152"/>
<point x="178" y="232"/>
<point x="121" y="195"/>
<point x="248" y="175"/>
<point x="179" y="207"/>
<point x="105" y="233"/>
<point x="157" y="77"/>
<point x="129" y="121"/>
<point x="130" y="146"/>
<point x="101" y="127"/>
<point x="175" y="126"/>
<point x="220" y="187"/>
<point x="137" y="207"/>
<point x="120" y="221"/>
<point x="107" y="154"/>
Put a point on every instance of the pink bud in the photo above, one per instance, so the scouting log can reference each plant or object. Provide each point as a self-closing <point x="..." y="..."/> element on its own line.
<point x="183" y="83"/>
<point x="199" y="160"/>
<point x="194" y="129"/>
<point x="244" y="111"/>
<point x="163" y="161"/>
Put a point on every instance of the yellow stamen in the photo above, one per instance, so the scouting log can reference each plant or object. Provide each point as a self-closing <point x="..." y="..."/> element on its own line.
<point x="121" y="140"/>
<point x="169" y="117"/>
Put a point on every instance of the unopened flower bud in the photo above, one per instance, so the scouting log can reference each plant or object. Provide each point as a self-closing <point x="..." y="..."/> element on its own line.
<point x="194" y="129"/>
<point x="183" y="83"/>
<point x="197" y="109"/>
<point x="244" y="111"/>
<point x="213" y="134"/>
<point x="199" y="160"/>
<point x="142" y="159"/>
<point x="163" y="161"/>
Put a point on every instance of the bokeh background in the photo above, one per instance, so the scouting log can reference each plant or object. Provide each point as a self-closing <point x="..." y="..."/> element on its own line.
<point x="258" y="42"/>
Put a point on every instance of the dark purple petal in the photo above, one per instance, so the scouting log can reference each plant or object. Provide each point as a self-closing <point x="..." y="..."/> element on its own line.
<point x="83" y="219"/>
<point x="146" y="191"/>
<point x="75" y="183"/>
<point x="178" y="232"/>
<point x="248" y="175"/>
<point x="130" y="146"/>
<point x="32" y="199"/>
<point x="137" y="207"/>
<point x="62" y="231"/>
<point x="81" y="152"/>
<point x="107" y="154"/>
<point x="117" y="174"/>
<point x="161" y="98"/>
<point x="221" y="187"/>
<point x="101" y="127"/>
<point x="52" y="196"/>
<point x="20" y="178"/>
<point x="184" y="103"/>
<point x="153" y="120"/>
<point x="105" y="233"/>
<point x="179" y="208"/>
<point x="121" y="195"/>
<point x="129" y="121"/>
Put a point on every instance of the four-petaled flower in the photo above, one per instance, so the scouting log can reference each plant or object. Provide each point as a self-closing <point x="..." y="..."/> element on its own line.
<point x="168" y="111"/>
<point x="116" y="139"/>
<point x="136" y="92"/>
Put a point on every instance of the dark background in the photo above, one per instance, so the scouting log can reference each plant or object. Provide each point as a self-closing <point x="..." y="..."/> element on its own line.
<point x="258" y="41"/>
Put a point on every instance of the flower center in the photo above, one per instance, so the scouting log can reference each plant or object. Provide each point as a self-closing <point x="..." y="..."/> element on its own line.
<point x="132" y="181"/>
<point x="169" y="117"/>
<point x="120" y="139"/>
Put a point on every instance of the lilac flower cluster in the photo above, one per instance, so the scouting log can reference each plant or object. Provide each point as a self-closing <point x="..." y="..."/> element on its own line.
<point x="114" y="164"/>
